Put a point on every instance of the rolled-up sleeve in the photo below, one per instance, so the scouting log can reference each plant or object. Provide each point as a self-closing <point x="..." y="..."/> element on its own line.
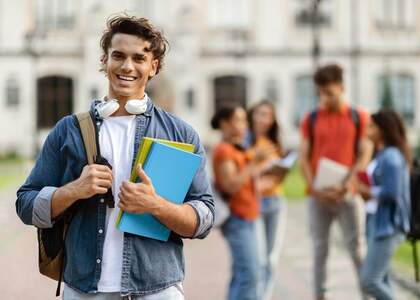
<point x="205" y="218"/>
<point x="41" y="212"/>
<point x="33" y="203"/>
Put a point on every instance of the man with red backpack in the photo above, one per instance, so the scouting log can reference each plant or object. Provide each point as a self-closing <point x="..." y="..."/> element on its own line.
<point x="337" y="132"/>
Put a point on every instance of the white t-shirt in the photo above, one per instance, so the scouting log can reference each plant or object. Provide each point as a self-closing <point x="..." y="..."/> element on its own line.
<point x="116" y="142"/>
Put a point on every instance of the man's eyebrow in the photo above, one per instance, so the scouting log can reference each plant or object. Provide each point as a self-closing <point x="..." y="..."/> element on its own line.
<point x="140" y="55"/>
<point x="117" y="52"/>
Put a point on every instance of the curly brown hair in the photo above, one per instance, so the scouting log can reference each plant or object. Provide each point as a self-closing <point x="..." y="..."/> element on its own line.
<point x="327" y="74"/>
<point x="140" y="27"/>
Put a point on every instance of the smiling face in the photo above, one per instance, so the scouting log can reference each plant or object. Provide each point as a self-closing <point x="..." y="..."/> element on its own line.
<point x="128" y="67"/>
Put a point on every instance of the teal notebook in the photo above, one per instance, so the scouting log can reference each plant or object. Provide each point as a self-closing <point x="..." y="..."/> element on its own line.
<point x="171" y="171"/>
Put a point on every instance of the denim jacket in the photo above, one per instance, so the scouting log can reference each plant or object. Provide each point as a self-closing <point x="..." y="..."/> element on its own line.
<point x="148" y="265"/>
<point x="392" y="189"/>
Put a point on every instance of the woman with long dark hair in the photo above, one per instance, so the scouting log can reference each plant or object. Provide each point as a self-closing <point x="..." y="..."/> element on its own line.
<point x="234" y="179"/>
<point x="388" y="201"/>
<point x="265" y="132"/>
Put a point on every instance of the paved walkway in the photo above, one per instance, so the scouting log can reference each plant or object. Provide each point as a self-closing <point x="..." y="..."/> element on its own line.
<point x="207" y="262"/>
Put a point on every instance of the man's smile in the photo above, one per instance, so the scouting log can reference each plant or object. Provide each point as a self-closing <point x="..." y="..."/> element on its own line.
<point x="126" y="78"/>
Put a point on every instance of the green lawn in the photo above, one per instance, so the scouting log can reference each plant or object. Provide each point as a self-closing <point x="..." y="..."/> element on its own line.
<point x="11" y="172"/>
<point x="294" y="185"/>
<point x="403" y="257"/>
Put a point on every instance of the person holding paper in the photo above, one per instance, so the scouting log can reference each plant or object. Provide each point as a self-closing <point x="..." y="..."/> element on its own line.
<point x="101" y="261"/>
<point x="234" y="177"/>
<point x="336" y="132"/>
<point x="389" y="219"/>
<point x="265" y="132"/>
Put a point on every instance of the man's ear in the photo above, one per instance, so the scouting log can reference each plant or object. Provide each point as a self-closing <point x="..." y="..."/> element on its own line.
<point x="155" y="64"/>
<point x="104" y="61"/>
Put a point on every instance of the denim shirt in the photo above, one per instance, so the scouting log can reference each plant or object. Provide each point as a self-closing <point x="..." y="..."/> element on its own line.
<point x="392" y="189"/>
<point x="148" y="265"/>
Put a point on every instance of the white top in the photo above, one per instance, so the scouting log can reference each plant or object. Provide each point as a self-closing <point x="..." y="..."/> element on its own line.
<point x="372" y="204"/>
<point x="116" y="142"/>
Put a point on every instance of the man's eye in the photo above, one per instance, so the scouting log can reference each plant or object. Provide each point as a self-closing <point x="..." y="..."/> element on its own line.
<point x="139" y="58"/>
<point x="117" y="55"/>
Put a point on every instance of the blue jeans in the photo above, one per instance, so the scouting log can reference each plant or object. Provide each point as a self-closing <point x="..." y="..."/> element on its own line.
<point x="270" y="213"/>
<point x="375" y="270"/>
<point x="241" y="237"/>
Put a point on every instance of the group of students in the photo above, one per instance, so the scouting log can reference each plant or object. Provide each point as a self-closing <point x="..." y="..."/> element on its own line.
<point x="240" y="164"/>
<point x="373" y="145"/>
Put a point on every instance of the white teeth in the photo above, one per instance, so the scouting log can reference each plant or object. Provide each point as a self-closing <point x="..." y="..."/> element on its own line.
<point x="127" y="78"/>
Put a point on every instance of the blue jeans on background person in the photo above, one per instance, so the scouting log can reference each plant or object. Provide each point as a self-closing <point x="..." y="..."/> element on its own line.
<point x="270" y="215"/>
<point x="241" y="237"/>
<point x="375" y="271"/>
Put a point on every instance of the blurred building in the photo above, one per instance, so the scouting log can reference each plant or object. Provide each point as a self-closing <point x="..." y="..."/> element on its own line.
<point x="221" y="50"/>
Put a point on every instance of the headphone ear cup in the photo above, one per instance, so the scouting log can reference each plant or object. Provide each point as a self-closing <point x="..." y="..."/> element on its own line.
<point x="136" y="107"/>
<point x="106" y="109"/>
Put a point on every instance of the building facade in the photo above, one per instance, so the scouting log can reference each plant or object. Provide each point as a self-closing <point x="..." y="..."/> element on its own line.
<point x="221" y="51"/>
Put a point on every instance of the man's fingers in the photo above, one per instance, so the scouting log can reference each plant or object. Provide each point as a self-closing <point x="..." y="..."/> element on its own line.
<point x="104" y="183"/>
<point x="143" y="176"/>
<point x="100" y="190"/>
<point x="104" y="175"/>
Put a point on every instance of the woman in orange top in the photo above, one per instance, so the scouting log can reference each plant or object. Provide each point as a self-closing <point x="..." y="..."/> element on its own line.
<point x="233" y="173"/>
<point x="264" y="132"/>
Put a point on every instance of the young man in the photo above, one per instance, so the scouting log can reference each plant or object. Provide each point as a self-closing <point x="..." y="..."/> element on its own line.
<point x="101" y="261"/>
<point x="333" y="132"/>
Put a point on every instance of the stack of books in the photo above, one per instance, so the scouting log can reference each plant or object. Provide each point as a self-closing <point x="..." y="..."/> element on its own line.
<point x="171" y="166"/>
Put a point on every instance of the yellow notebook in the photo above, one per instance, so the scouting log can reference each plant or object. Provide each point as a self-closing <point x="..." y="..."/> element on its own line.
<point x="144" y="149"/>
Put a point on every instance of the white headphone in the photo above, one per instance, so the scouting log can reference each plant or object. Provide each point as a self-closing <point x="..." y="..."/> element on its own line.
<point x="134" y="107"/>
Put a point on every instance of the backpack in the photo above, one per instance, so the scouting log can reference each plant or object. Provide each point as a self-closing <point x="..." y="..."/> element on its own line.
<point x="51" y="241"/>
<point x="355" y="118"/>
<point x="414" y="235"/>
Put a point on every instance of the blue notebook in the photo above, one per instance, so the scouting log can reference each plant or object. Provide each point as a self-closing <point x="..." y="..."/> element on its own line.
<point x="171" y="171"/>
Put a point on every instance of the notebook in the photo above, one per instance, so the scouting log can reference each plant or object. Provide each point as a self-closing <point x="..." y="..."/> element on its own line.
<point x="171" y="171"/>
<point x="329" y="174"/>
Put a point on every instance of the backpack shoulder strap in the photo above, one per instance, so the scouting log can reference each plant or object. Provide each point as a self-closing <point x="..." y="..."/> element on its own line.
<point x="311" y="124"/>
<point x="89" y="135"/>
<point x="354" y="113"/>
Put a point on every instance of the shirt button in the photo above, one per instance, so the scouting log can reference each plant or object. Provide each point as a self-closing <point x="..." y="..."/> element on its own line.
<point x="100" y="231"/>
<point x="98" y="261"/>
<point x="102" y="200"/>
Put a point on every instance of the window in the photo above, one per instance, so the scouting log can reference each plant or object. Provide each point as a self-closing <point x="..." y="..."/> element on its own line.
<point x="230" y="90"/>
<point x="396" y="13"/>
<point x="304" y="12"/>
<point x="12" y="93"/>
<point x="402" y="95"/>
<point x="229" y="14"/>
<point x="55" y="14"/>
<point x="305" y="97"/>
<point x="54" y="99"/>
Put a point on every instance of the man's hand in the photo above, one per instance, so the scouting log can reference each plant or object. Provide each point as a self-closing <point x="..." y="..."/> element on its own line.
<point x="95" y="179"/>
<point x="139" y="197"/>
<point x="330" y="195"/>
<point x="364" y="190"/>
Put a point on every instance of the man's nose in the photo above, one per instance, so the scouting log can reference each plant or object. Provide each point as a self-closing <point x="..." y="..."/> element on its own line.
<point x="127" y="66"/>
